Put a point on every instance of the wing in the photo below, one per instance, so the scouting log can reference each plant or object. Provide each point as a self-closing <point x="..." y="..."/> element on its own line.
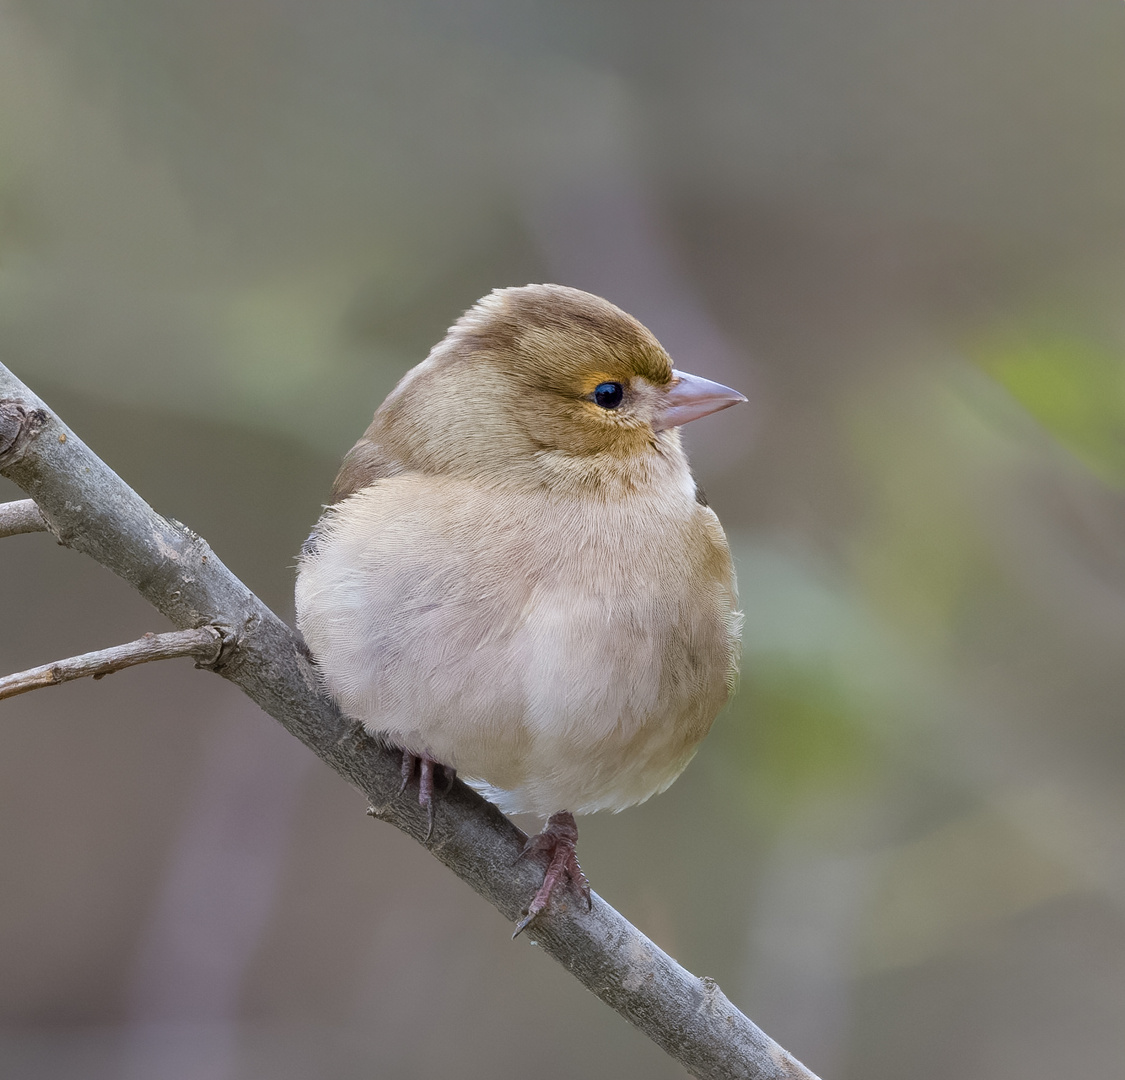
<point x="364" y="464"/>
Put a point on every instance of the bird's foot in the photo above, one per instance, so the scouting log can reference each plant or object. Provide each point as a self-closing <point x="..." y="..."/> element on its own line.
<point x="558" y="842"/>
<point x="426" y="767"/>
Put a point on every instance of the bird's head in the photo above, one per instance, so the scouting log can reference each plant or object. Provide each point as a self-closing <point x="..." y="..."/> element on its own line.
<point x="543" y="375"/>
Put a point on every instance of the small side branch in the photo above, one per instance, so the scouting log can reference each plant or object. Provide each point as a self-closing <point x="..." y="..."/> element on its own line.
<point x="20" y="517"/>
<point x="203" y="643"/>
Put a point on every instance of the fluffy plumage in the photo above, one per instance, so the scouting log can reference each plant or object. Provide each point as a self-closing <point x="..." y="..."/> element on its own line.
<point x="518" y="582"/>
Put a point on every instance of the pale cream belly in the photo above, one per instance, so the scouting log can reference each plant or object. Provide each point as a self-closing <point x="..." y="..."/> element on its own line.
<point x="584" y="682"/>
<point x="586" y="706"/>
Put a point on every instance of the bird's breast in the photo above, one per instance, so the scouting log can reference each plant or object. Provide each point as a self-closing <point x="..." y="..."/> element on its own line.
<point x="570" y="655"/>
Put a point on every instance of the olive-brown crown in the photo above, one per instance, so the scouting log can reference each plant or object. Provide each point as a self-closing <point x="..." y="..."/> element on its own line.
<point x="516" y="380"/>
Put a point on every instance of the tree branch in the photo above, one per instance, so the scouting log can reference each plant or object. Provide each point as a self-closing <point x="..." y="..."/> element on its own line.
<point x="89" y="508"/>
<point x="205" y="644"/>
<point x="20" y="517"/>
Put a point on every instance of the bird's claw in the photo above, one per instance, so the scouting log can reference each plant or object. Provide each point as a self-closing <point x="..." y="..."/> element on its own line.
<point x="558" y="842"/>
<point x="426" y="767"/>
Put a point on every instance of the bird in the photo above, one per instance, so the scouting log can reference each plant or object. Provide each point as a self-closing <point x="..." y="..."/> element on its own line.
<point x="517" y="580"/>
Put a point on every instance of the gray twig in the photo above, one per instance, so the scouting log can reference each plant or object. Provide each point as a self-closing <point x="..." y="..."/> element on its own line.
<point x="204" y="643"/>
<point x="20" y="517"/>
<point x="89" y="508"/>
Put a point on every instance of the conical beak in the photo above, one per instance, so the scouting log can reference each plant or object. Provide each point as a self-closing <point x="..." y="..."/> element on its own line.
<point x="690" y="397"/>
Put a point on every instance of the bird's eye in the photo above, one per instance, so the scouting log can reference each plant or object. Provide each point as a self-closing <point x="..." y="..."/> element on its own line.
<point x="608" y="395"/>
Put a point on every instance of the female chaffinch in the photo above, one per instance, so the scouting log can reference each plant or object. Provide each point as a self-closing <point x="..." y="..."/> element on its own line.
<point x="517" y="577"/>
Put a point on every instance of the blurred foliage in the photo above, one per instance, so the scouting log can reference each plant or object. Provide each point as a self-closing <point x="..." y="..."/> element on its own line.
<point x="1071" y="383"/>
<point x="807" y="730"/>
<point x="806" y="718"/>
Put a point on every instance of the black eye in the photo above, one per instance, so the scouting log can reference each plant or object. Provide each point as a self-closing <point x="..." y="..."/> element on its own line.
<point x="609" y="394"/>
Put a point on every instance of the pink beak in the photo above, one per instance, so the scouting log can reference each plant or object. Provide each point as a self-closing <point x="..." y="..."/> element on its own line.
<point x="691" y="397"/>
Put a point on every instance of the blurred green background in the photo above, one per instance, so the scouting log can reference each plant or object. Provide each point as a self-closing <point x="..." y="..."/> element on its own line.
<point x="227" y="228"/>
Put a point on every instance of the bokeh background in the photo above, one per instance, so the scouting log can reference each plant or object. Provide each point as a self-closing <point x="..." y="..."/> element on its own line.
<point x="228" y="226"/>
